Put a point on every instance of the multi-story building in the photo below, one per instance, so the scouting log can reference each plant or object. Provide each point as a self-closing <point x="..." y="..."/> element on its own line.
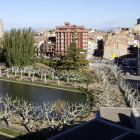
<point x="65" y="35"/>
<point x="48" y="47"/>
<point x="1" y="28"/>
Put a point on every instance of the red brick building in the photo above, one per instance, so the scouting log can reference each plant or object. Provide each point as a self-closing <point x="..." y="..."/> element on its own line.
<point x="65" y="34"/>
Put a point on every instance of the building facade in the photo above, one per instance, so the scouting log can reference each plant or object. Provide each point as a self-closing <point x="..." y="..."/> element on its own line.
<point x="137" y="26"/>
<point x="1" y="28"/>
<point x="65" y="35"/>
<point x="117" y="44"/>
<point x="48" y="47"/>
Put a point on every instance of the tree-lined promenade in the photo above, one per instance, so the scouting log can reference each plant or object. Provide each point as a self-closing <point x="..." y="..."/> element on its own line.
<point x="104" y="85"/>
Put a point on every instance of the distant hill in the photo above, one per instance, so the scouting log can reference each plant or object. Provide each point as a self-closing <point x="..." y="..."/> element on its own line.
<point x="108" y="28"/>
<point x="35" y="29"/>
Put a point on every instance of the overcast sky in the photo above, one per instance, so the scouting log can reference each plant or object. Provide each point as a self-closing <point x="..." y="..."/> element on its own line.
<point x="51" y="13"/>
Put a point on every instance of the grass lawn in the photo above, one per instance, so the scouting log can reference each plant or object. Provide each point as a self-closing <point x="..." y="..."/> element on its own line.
<point x="10" y="132"/>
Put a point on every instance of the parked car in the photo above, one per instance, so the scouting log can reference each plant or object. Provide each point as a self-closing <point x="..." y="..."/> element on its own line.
<point x="125" y="65"/>
<point x="133" y="71"/>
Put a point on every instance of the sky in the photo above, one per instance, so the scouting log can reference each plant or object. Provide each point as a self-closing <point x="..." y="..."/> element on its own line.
<point x="47" y="14"/>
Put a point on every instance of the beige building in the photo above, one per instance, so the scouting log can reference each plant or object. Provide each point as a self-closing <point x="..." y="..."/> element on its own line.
<point x="1" y="28"/>
<point x="137" y="26"/>
<point x="38" y="44"/>
<point x="117" y="44"/>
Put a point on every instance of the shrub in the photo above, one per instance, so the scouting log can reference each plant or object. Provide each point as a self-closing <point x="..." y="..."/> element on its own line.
<point x="18" y="79"/>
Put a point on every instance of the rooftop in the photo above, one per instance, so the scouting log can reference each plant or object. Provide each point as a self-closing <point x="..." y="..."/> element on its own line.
<point x="109" y="126"/>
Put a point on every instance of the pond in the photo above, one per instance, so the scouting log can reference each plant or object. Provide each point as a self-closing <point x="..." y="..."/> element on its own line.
<point x="4" y="138"/>
<point x="39" y="94"/>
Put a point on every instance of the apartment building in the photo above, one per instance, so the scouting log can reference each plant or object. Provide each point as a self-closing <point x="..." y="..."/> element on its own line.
<point x="1" y="28"/>
<point x="65" y="35"/>
<point x="48" y="47"/>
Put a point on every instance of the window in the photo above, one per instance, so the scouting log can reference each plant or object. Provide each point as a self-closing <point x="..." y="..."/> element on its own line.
<point x="62" y="44"/>
<point x="86" y="44"/>
<point x="83" y="44"/>
<point x="86" y="40"/>
<point x="62" y="48"/>
<point x="86" y="36"/>
<point x="83" y="36"/>
<point x="83" y="40"/>
<point x="62" y="40"/>
<point x="83" y="33"/>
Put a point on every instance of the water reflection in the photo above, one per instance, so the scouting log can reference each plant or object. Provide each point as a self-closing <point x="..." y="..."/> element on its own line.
<point x="39" y="94"/>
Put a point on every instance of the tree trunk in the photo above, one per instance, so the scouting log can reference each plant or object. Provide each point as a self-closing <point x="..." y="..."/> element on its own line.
<point x="15" y="73"/>
<point x="21" y="74"/>
<point x="31" y="125"/>
<point x="17" y="69"/>
<point x="75" y="83"/>
<point x="9" y="121"/>
<point x="45" y="78"/>
<point x="87" y="88"/>
<point x="68" y="80"/>
<point x="58" y="82"/>
<point x="0" y="73"/>
<point x="29" y="73"/>
<point x="7" y="75"/>
<point x="52" y="76"/>
<point x="33" y="78"/>
<point x="12" y="69"/>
